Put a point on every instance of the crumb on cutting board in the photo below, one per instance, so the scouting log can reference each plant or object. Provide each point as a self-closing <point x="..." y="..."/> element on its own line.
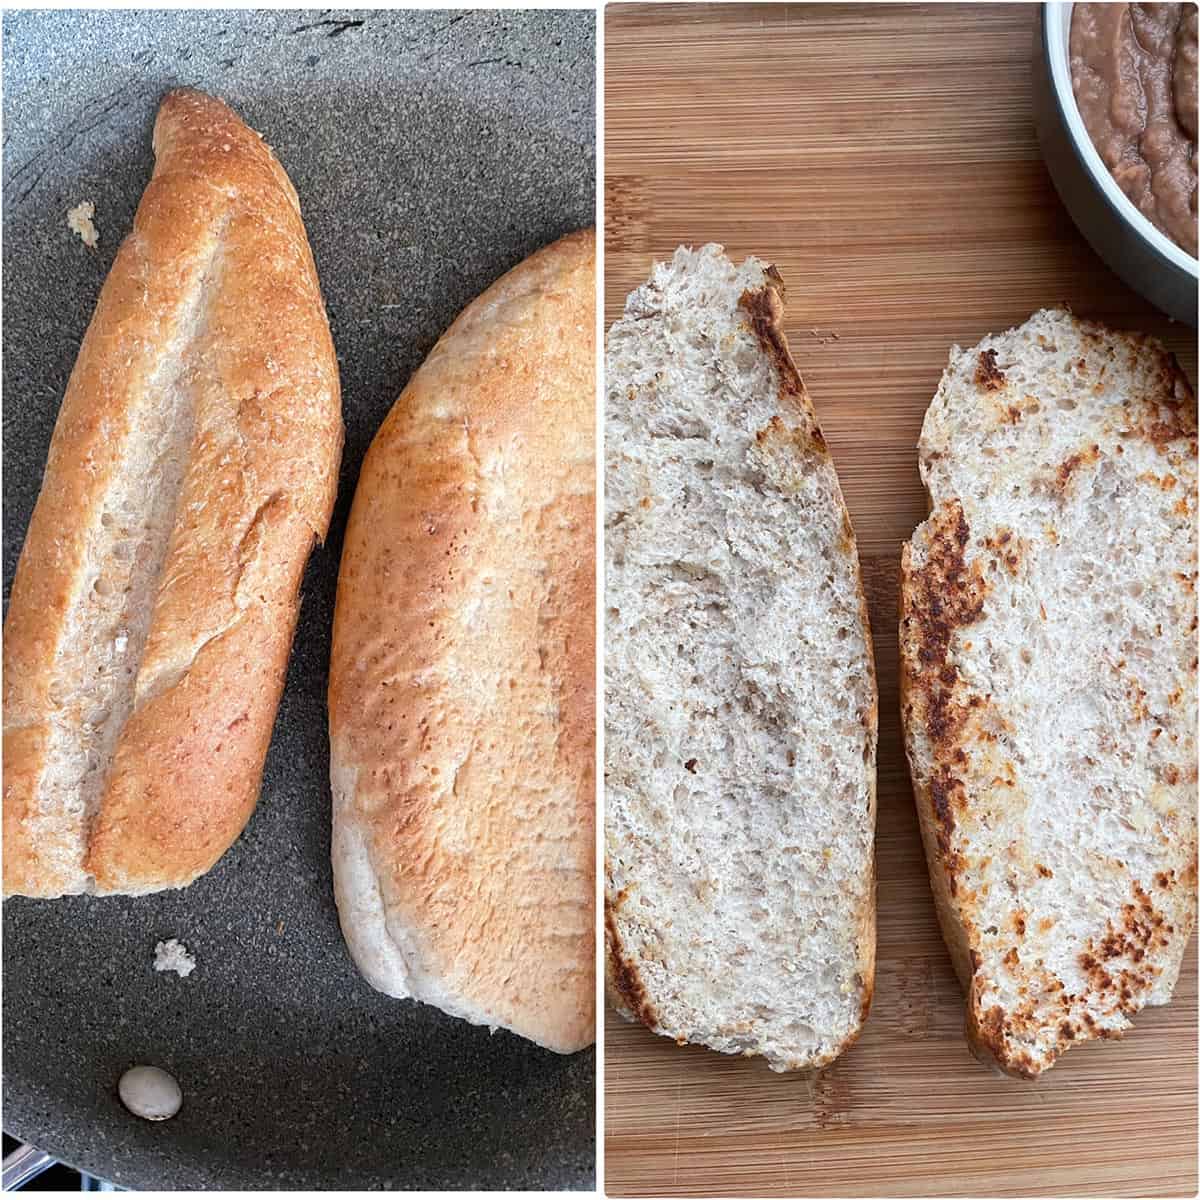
<point x="172" y="955"/>
<point x="79" y="219"/>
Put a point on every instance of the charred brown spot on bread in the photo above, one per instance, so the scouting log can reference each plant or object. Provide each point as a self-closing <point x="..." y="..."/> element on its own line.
<point x="1012" y="958"/>
<point x="1066" y="468"/>
<point x="1022" y="1021"/>
<point x="846" y="536"/>
<point x="1072" y="463"/>
<point x="864" y="1009"/>
<point x="945" y="596"/>
<point x="1043" y="871"/>
<point x="994" y="1037"/>
<point x="942" y="720"/>
<point x="624" y="975"/>
<point x="992" y="1022"/>
<point x="764" y="308"/>
<point x="1116" y="964"/>
<point x="946" y="794"/>
<point x="987" y="374"/>
<point x="1023" y="1064"/>
<point x="1171" y="416"/>
<point x="805" y="437"/>
<point x="1001" y="545"/>
<point x="989" y="1027"/>
<point x="1174" y="423"/>
<point x="690" y="765"/>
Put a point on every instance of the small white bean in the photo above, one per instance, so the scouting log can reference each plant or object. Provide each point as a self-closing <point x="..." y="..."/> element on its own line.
<point x="150" y="1092"/>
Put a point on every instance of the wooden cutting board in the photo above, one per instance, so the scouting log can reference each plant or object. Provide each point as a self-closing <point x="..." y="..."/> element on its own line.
<point x="884" y="157"/>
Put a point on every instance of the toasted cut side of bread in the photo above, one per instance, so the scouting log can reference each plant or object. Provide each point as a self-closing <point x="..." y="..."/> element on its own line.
<point x="1048" y="680"/>
<point x="741" y="706"/>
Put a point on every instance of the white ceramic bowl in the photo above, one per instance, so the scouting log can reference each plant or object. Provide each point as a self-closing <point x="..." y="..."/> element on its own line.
<point x="1143" y="256"/>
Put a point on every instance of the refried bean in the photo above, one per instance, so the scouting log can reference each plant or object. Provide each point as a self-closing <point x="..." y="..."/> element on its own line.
<point x="1133" y="69"/>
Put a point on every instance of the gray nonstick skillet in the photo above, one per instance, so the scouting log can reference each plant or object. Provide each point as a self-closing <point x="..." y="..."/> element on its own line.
<point x="432" y="151"/>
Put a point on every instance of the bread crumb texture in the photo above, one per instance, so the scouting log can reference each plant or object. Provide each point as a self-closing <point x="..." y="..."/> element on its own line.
<point x="79" y="220"/>
<point x="740" y="697"/>
<point x="1048" y="647"/>
<point x="172" y="955"/>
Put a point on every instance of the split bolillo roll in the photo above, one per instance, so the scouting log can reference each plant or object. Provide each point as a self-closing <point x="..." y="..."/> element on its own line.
<point x="192" y="467"/>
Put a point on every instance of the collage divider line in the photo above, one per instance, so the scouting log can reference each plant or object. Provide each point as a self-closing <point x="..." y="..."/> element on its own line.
<point x="599" y="800"/>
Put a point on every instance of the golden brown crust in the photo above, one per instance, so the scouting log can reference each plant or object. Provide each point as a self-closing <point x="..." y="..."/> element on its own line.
<point x="462" y="680"/>
<point x="29" y="863"/>
<point x="217" y="282"/>
<point x="175" y="804"/>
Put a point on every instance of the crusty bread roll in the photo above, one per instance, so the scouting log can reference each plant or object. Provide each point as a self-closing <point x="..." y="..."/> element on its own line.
<point x="740" y="700"/>
<point x="462" y="681"/>
<point x="1048" y="680"/>
<point x="192" y="467"/>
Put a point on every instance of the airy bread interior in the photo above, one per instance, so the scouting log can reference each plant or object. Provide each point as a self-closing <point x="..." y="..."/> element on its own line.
<point x="740" y="696"/>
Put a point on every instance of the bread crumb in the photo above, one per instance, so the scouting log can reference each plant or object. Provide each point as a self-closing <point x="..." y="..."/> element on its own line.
<point x="79" y="220"/>
<point x="172" y="955"/>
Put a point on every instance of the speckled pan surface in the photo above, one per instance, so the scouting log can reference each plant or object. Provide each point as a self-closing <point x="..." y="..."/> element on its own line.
<point x="431" y="151"/>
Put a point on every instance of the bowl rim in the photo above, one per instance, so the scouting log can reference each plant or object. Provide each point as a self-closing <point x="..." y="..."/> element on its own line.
<point x="1056" y="50"/>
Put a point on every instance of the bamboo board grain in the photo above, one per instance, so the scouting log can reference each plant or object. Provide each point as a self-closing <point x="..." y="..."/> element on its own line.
<point x="885" y="159"/>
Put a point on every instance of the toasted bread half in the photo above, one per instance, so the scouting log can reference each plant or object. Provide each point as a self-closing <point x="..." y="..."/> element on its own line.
<point x="740" y="703"/>
<point x="1048" y="680"/>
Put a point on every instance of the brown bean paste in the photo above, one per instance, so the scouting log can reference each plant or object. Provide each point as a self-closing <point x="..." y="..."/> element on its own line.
<point x="1133" y="69"/>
